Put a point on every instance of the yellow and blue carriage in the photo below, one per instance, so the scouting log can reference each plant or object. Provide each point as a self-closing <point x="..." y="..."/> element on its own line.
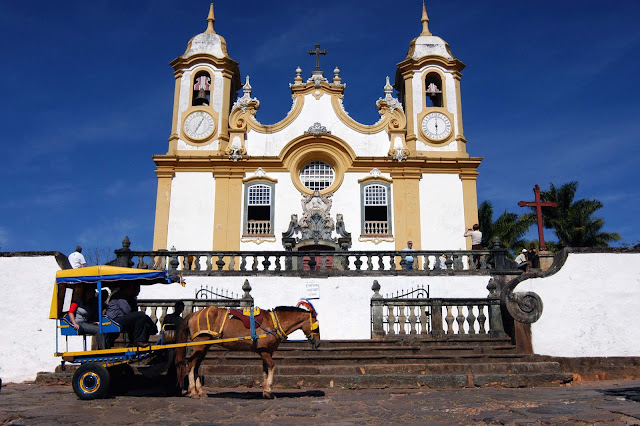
<point x="95" y="369"/>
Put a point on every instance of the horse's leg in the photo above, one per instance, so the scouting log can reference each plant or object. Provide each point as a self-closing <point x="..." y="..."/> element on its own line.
<point x="268" y="367"/>
<point x="195" y="389"/>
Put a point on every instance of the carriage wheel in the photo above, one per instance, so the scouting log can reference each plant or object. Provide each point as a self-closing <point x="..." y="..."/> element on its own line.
<point x="91" y="381"/>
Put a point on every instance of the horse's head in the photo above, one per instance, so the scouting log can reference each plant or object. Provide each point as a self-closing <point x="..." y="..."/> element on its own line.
<point x="311" y="328"/>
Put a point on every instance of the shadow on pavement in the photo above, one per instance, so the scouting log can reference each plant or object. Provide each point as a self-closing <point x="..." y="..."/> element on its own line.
<point x="258" y="395"/>
<point x="632" y="394"/>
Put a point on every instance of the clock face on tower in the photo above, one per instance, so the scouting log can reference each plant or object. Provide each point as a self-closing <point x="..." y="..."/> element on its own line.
<point x="199" y="125"/>
<point x="436" y="126"/>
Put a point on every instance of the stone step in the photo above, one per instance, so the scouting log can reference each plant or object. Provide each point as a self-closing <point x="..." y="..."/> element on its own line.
<point x="396" y="380"/>
<point x="248" y="358"/>
<point x="389" y="344"/>
<point x="386" y="369"/>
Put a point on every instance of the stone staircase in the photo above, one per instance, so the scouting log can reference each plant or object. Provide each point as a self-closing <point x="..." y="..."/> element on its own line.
<point x="474" y="361"/>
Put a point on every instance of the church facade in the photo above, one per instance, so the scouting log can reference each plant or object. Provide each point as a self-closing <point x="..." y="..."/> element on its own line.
<point x="229" y="182"/>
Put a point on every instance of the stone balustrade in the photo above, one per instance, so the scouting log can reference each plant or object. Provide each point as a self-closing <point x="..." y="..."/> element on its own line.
<point x="292" y="263"/>
<point x="426" y="317"/>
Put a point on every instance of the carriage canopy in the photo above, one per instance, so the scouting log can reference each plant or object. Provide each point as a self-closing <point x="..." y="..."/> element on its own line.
<point x="108" y="276"/>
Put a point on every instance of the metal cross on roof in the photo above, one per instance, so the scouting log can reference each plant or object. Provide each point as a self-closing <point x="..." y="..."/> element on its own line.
<point x="317" y="51"/>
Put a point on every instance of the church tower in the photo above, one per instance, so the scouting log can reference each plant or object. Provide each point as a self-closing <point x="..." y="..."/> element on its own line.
<point x="206" y="83"/>
<point x="428" y="82"/>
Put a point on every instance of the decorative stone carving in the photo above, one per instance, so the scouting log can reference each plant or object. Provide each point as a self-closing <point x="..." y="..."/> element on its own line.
<point x="389" y="101"/>
<point x="316" y="224"/>
<point x="317" y="129"/>
<point x="246" y="101"/>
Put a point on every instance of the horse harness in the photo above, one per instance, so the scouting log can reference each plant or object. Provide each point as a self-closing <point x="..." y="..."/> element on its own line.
<point x="251" y="317"/>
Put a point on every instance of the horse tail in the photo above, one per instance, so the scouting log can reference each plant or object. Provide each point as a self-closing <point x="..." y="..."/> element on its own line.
<point x="181" y="352"/>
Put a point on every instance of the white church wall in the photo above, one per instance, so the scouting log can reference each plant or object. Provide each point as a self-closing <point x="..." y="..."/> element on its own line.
<point x="317" y="110"/>
<point x="589" y="307"/>
<point x="191" y="211"/>
<point x="28" y="335"/>
<point x="344" y="304"/>
<point x="442" y="212"/>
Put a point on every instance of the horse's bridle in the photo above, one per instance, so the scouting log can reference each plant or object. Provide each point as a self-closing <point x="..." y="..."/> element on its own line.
<point x="313" y="325"/>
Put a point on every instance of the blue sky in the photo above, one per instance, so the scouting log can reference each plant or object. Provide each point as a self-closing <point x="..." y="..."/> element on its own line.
<point x="550" y="94"/>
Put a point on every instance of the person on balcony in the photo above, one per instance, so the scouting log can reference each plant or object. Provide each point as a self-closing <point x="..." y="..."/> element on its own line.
<point x="408" y="258"/>
<point x="522" y="261"/>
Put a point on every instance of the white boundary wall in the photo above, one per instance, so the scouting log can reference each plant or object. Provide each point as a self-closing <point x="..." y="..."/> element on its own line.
<point x="590" y="307"/>
<point x="28" y="335"/>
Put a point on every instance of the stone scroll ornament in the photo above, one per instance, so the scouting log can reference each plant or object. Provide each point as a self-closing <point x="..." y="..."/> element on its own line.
<point x="525" y="307"/>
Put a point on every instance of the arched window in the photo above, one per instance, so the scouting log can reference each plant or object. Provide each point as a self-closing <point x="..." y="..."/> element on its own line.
<point x="259" y="209"/>
<point x="317" y="175"/>
<point x="433" y="85"/>
<point x="201" y="89"/>
<point x="376" y="209"/>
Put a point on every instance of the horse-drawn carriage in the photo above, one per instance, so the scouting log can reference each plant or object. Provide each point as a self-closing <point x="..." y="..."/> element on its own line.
<point x="95" y="369"/>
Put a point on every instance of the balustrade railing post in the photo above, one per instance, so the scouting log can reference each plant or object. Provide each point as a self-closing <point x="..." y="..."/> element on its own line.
<point x="247" y="299"/>
<point x="437" y="329"/>
<point x="377" y="325"/>
<point x="173" y="260"/>
<point x="496" y="327"/>
<point x="123" y="255"/>
<point x="188" y="307"/>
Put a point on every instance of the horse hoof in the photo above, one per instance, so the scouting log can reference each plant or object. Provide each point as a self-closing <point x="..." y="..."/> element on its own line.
<point x="203" y="395"/>
<point x="268" y="395"/>
<point x="194" y="396"/>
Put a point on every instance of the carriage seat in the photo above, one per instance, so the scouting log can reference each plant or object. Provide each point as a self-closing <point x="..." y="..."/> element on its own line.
<point x="108" y="326"/>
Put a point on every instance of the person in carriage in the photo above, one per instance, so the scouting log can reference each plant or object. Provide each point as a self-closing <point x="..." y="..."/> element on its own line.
<point x="123" y="309"/>
<point x="83" y="314"/>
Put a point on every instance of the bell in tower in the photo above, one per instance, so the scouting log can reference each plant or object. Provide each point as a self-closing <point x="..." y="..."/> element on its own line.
<point x="202" y="89"/>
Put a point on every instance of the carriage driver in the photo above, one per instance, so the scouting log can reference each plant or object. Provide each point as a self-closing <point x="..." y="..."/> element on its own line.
<point x="123" y="309"/>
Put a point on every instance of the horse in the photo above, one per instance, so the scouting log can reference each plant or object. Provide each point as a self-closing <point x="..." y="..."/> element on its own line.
<point x="218" y="323"/>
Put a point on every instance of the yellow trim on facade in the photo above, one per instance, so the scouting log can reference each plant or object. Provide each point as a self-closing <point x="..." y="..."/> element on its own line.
<point x="406" y="207"/>
<point x="328" y="148"/>
<point x="227" y="216"/>
<point x="390" y="120"/>
<point x="163" y="200"/>
<point x="470" y="201"/>
<point x="374" y="178"/>
<point x="243" y="121"/>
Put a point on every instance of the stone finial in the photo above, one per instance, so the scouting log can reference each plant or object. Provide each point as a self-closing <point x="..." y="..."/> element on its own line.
<point x="425" y="21"/>
<point x="388" y="89"/>
<point x="210" y="20"/>
<point x="126" y="243"/>
<point x="298" y="78"/>
<point x="336" y="76"/>
<point x="246" y="89"/>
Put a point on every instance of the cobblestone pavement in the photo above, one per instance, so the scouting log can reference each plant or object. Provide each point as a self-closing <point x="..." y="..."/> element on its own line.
<point x="601" y="402"/>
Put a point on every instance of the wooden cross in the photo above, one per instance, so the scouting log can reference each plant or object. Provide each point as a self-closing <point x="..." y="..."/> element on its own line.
<point x="538" y="205"/>
<point x="317" y="51"/>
